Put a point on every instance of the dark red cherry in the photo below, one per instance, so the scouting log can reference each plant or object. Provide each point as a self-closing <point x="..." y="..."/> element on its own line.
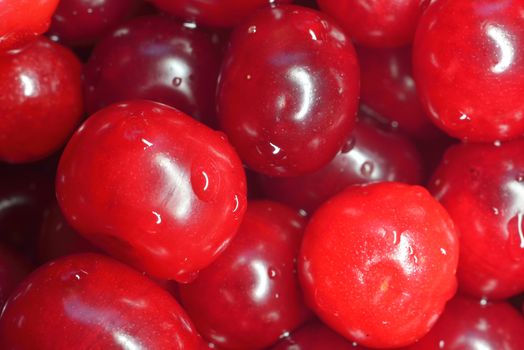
<point x="89" y="301"/>
<point x="370" y="155"/>
<point x="23" y="20"/>
<point x="388" y="91"/>
<point x="288" y="91"/>
<point x="378" y="263"/>
<point x="153" y="187"/>
<point x="155" y="58"/>
<point x="40" y="100"/>
<point x="13" y="269"/>
<point x="223" y="13"/>
<point x="468" y="61"/>
<point x="378" y="23"/>
<point x="250" y="296"/>
<point x="469" y="324"/>
<point x="482" y="187"/>
<point x="83" y="22"/>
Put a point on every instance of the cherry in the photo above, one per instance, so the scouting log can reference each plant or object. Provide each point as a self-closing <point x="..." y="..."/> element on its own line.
<point x="380" y="23"/>
<point x="371" y="155"/>
<point x="482" y="187"/>
<point x="155" y="58"/>
<point x="223" y="13"/>
<point x="378" y="263"/>
<point x="250" y="296"/>
<point x="40" y="100"/>
<point x="169" y="197"/>
<point x="83" y="22"/>
<point x="315" y="336"/>
<point x="89" y="301"/>
<point x="388" y="90"/>
<point x="470" y="324"/>
<point x="283" y="71"/>
<point x="23" y="20"/>
<point x="468" y="62"/>
<point x="13" y="269"/>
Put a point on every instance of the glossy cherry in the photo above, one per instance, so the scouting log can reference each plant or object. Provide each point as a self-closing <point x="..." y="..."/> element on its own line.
<point x="469" y="324"/>
<point x="371" y="155"/>
<point x="288" y="90"/>
<point x="155" y="58"/>
<point x="482" y="187"/>
<point x="388" y="91"/>
<point x="83" y="22"/>
<point x="13" y="269"/>
<point x="23" y="20"/>
<point x="89" y="301"/>
<point x="40" y="100"/>
<point x="167" y="199"/>
<point x="468" y="61"/>
<point x="223" y="13"/>
<point x="378" y="263"/>
<point x="250" y="296"/>
<point x="379" y="23"/>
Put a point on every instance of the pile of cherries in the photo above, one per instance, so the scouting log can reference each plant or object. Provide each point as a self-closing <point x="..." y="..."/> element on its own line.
<point x="257" y="174"/>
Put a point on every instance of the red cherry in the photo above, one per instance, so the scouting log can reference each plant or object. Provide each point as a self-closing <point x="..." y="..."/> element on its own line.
<point x="388" y="90"/>
<point x="152" y="187"/>
<point x="155" y="58"/>
<point x="482" y="187"/>
<point x="468" y="62"/>
<point x="379" y="23"/>
<point x="250" y="296"/>
<point x="88" y="301"/>
<point x="23" y="20"/>
<point x="223" y="13"/>
<point x="83" y="22"/>
<point x="13" y="269"/>
<point x="283" y="72"/>
<point x="378" y="263"/>
<point x="315" y="336"/>
<point x="40" y="100"/>
<point x="470" y="324"/>
<point x="371" y="155"/>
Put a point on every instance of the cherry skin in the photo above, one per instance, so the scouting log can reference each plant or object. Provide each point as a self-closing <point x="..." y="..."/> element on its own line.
<point x="482" y="187"/>
<point x="283" y="71"/>
<point x="371" y="155"/>
<point x="388" y="90"/>
<point x="378" y="263"/>
<point x="468" y="62"/>
<point x="23" y="20"/>
<point x="381" y="23"/>
<point x="13" y="269"/>
<point x="167" y="200"/>
<point x="40" y="100"/>
<point x="470" y="324"/>
<point x="250" y="296"/>
<point x="89" y="301"/>
<point x="84" y="22"/>
<point x="223" y="13"/>
<point x="159" y="59"/>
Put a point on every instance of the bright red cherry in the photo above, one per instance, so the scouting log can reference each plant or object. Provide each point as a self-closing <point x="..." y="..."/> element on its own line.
<point x="371" y="155"/>
<point x="83" y="22"/>
<point x="468" y="62"/>
<point x="388" y="90"/>
<point x="378" y="263"/>
<point x="13" y="269"/>
<point x="89" y="301"/>
<point x="378" y="23"/>
<point x="23" y="20"/>
<point x="40" y="100"/>
<point x="469" y="324"/>
<point x="250" y="296"/>
<point x="153" y="187"/>
<point x="288" y="91"/>
<point x="159" y="59"/>
<point x="482" y="187"/>
<point x="223" y="13"/>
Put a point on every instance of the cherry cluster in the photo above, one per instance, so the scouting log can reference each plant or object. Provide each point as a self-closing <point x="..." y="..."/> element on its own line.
<point x="261" y="174"/>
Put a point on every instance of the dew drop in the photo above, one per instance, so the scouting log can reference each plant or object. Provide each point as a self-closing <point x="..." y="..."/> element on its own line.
<point x="272" y="272"/>
<point x="367" y="169"/>
<point x="177" y="81"/>
<point x="495" y="211"/>
<point x="497" y="143"/>
<point x="520" y="178"/>
<point x="441" y="344"/>
<point x="252" y="29"/>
